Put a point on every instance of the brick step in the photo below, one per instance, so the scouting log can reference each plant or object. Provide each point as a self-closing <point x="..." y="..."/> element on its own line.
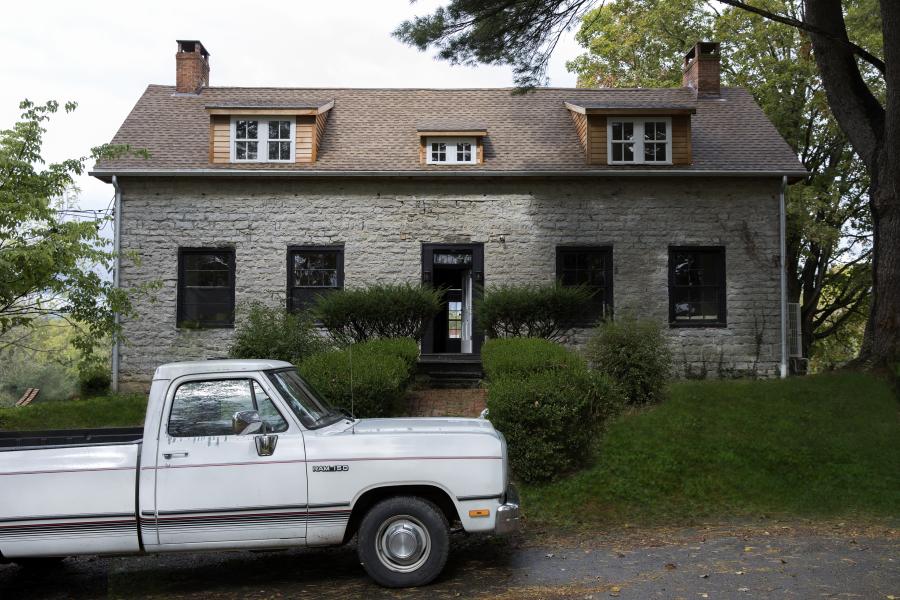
<point x="444" y="402"/>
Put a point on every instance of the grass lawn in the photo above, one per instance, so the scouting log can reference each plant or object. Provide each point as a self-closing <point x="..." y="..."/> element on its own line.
<point x="820" y="446"/>
<point x="104" y="411"/>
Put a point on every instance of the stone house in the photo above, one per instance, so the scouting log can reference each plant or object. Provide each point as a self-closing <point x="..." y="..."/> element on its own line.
<point x="666" y="201"/>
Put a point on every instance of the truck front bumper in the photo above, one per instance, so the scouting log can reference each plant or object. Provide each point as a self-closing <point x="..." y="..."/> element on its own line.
<point x="508" y="513"/>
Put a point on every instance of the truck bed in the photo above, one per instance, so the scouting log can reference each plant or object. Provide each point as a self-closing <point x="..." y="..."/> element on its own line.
<point x="17" y="440"/>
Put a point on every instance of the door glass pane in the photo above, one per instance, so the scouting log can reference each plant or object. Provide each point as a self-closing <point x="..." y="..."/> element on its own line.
<point x="267" y="411"/>
<point x="205" y="408"/>
<point x="454" y="320"/>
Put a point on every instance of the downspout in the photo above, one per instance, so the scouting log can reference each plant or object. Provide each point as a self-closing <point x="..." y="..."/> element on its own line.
<point x="117" y="226"/>
<point x="782" y="221"/>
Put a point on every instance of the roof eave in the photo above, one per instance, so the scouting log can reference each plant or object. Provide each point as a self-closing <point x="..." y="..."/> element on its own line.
<point x="106" y="174"/>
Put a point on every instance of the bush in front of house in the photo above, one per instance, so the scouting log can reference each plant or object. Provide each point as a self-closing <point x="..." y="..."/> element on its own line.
<point x="268" y="332"/>
<point x="521" y="357"/>
<point x="547" y="403"/>
<point x="94" y="378"/>
<point x="378" y="311"/>
<point x="635" y="354"/>
<point x="379" y="372"/>
<point x="542" y="311"/>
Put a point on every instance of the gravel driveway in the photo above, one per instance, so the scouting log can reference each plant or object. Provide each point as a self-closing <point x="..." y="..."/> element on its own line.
<point x="773" y="561"/>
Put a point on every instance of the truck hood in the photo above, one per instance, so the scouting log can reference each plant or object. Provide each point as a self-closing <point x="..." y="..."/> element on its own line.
<point x="422" y="425"/>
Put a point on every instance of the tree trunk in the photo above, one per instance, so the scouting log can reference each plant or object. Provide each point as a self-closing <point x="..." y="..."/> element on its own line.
<point x="874" y="132"/>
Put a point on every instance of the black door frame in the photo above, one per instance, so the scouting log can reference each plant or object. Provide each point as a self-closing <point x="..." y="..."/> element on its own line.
<point x="477" y="250"/>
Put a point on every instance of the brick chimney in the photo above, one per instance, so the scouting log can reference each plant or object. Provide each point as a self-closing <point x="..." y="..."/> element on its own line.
<point x="191" y="67"/>
<point x="701" y="69"/>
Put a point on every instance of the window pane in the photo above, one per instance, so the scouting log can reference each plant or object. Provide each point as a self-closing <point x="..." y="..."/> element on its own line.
<point x="438" y="152"/>
<point x="240" y="150"/>
<point x="279" y="150"/>
<point x="628" y="128"/>
<point x="285" y="130"/>
<point x="660" y="152"/>
<point x="616" y="131"/>
<point x="267" y="411"/>
<point x="252" y="127"/>
<point x="240" y="129"/>
<point x="660" y="130"/>
<point x="205" y="408"/>
<point x="285" y="150"/>
<point x="628" y="152"/>
<point x="251" y="150"/>
<point x="463" y="152"/>
<point x="617" y="152"/>
<point x="649" y="130"/>
<point x="650" y="152"/>
<point x="316" y="269"/>
<point x="454" y="320"/>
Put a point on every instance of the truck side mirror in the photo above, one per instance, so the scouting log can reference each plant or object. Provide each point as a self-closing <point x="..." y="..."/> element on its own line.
<point x="247" y="422"/>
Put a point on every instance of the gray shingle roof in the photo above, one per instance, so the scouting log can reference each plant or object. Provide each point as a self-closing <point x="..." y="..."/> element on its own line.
<point x="375" y="130"/>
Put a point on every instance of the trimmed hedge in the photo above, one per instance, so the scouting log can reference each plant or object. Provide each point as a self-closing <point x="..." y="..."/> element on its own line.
<point x="547" y="403"/>
<point x="634" y="353"/>
<point x="521" y="357"/>
<point x="379" y="311"/>
<point x="267" y="332"/>
<point x="381" y="372"/>
<point x="542" y="311"/>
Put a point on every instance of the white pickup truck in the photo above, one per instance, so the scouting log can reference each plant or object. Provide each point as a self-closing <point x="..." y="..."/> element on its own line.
<point x="245" y="454"/>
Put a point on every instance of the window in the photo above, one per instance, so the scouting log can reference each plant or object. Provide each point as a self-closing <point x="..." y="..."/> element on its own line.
<point x="205" y="287"/>
<point x="697" y="286"/>
<point x="590" y="266"/>
<point x="313" y="271"/>
<point x="640" y="141"/>
<point x="205" y="408"/>
<point x="262" y="140"/>
<point x="452" y="151"/>
<point x="454" y="320"/>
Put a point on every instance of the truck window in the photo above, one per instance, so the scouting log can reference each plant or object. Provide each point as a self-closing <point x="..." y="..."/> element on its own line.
<point x="205" y="408"/>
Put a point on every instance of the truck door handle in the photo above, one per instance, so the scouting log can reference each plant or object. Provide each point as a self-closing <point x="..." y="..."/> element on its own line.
<point x="169" y="455"/>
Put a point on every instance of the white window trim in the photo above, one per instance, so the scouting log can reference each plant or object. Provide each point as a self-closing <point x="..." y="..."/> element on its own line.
<point x="638" y="141"/>
<point x="452" y="143"/>
<point x="262" y="152"/>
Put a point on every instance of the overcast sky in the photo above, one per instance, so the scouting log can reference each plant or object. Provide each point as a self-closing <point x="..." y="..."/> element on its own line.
<point x="102" y="54"/>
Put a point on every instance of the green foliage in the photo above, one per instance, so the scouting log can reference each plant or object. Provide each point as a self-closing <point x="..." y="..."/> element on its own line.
<point x="104" y="411"/>
<point x="520" y="357"/>
<point x="42" y="357"/>
<point x="818" y="446"/>
<point x="378" y="311"/>
<point x="639" y="43"/>
<point x="50" y="266"/>
<point x="378" y="372"/>
<point x="547" y="404"/>
<point x="635" y="354"/>
<point x="93" y="379"/>
<point x="543" y="311"/>
<point x="267" y="332"/>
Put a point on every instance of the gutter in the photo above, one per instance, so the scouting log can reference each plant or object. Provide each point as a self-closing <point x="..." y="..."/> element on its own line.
<point x="117" y="242"/>
<point x="782" y="238"/>
<point x="105" y="173"/>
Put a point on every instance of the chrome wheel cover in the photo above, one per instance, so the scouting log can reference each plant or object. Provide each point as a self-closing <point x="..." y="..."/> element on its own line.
<point x="403" y="544"/>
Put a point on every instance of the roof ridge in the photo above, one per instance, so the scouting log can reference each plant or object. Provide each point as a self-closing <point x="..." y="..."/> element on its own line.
<point x="436" y="89"/>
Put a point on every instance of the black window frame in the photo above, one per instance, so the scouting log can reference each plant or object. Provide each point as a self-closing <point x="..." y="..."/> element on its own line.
<point x="721" y="273"/>
<point x="338" y="249"/>
<point x="180" y="320"/>
<point x="602" y="306"/>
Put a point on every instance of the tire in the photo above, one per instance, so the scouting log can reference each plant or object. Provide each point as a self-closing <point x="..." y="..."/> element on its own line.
<point x="403" y="542"/>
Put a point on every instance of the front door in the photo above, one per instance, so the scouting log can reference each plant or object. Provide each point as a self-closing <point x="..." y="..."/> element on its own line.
<point x="214" y="486"/>
<point x="458" y="271"/>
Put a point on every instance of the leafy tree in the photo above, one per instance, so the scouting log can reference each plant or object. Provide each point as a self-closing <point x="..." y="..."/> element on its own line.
<point x="638" y="43"/>
<point x="50" y="267"/>
<point x="523" y="34"/>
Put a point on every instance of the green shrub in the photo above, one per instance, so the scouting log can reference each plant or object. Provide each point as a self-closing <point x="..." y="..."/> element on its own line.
<point x="267" y="332"/>
<point x="381" y="372"/>
<point x="549" y="419"/>
<point x="547" y="403"/>
<point x="635" y="354"/>
<point x="520" y="357"/>
<point x="543" y="311"/>
<point x="93" y="378"/>
<point x="379" y="311"/>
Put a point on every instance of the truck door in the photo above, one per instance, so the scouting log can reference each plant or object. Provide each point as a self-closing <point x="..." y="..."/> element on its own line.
<point x="215" y="486"/>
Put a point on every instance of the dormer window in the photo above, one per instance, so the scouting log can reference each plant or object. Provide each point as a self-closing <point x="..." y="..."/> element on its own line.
<point x="639" y="141"/>
<point x="262" y="139"/>
<point x="443" y="151"/>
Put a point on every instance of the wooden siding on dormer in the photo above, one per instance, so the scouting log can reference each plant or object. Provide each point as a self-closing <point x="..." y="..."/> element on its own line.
<point x="305" y="141"/>
<point x="219" y="139"/>
<point x="595" y="141"/>
<point x="321" y="118"/>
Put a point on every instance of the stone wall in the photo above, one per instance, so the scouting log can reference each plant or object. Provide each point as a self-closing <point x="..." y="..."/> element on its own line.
<point x="383" y="222"/>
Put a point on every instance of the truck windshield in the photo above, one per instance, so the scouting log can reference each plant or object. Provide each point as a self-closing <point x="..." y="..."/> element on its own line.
<point x="309" y="406"/>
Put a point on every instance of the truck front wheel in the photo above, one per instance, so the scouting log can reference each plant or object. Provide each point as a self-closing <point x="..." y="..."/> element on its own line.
<point x="403" y="542"/>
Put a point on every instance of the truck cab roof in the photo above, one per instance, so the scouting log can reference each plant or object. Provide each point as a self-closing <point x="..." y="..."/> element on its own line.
<point x="196" y="367"/>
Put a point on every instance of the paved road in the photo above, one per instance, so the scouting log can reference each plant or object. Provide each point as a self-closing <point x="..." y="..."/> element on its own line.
<point x="688" y="564"/>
